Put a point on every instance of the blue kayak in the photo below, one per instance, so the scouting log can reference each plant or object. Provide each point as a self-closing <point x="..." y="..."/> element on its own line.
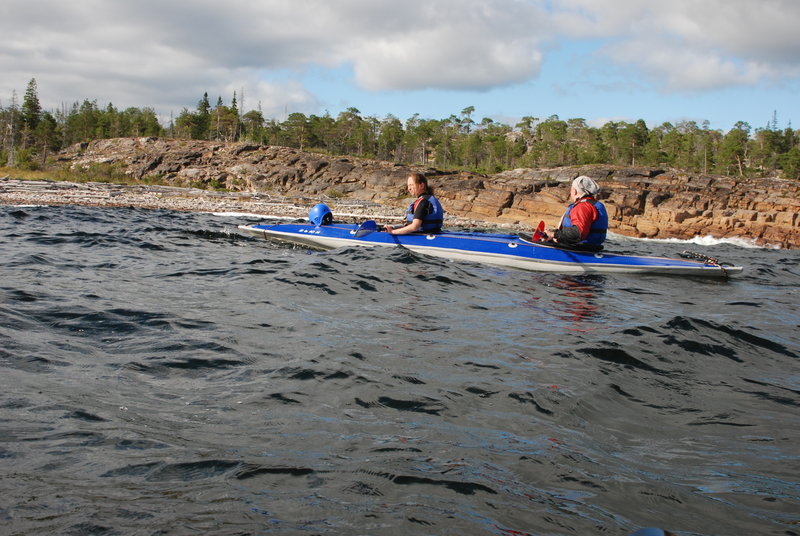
<point x="498" y="249"/>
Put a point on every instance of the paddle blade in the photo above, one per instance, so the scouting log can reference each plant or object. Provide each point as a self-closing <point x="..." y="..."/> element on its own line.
<point x="366" y="228"/>
<point x="539" y="232"/>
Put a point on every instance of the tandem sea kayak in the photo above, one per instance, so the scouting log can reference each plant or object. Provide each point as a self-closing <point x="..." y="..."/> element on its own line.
<point x="498" y="249"/>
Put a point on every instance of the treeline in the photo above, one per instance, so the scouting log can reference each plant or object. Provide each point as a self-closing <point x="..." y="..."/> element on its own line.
<point x="30" y="135"/>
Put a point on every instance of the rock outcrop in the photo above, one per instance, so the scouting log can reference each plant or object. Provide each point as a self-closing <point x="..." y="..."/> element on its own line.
<point x="642" y="202"/>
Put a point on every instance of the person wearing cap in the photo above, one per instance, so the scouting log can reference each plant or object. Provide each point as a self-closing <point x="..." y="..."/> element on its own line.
<point x="585" y="223"/>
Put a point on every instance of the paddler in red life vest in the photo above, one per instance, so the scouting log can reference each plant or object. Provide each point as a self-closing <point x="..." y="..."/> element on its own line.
<point x="425" y="214"/>
<point x="585" y="223"/>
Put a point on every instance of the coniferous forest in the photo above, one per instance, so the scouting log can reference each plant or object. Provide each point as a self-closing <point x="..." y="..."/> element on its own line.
<point x="30" y="135"/>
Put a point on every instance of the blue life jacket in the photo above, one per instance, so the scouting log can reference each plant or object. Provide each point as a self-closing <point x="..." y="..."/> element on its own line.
<point x="432" y="222"/>
<point x="599" y="227"/>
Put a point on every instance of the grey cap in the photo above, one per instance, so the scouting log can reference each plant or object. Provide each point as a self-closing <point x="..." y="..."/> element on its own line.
<point x="585" y="185"/>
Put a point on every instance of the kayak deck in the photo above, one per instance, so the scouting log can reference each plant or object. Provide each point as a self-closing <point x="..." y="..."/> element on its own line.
<point x="498" y="249"/>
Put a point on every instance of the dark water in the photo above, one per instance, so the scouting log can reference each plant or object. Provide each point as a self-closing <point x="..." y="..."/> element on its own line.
<point x="163" y="374"/>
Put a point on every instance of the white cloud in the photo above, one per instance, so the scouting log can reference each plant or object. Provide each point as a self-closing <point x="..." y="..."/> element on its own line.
<point x="466" y="44"/>
<point x="276" y="100"/>
<point x="675" y="68"/>
<point x="686" y="45"/>
<point x="441" y="60"/>
<point x="161" y="53"/>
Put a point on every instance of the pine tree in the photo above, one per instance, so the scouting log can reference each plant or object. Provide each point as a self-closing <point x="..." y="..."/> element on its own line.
<point x="203" y="106"/>
<point x="790" y="163"/>
<point x="202" y="119"/>
<point x="31" y="109"/>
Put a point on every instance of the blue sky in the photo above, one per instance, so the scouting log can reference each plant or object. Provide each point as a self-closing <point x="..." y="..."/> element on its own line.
<point x="717" y="60"/>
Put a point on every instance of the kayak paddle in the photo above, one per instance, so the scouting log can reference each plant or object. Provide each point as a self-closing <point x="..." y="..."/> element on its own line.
<point x="536" y="236"/>
<point x="539" y="232"/>
<point x="365" y="228"/>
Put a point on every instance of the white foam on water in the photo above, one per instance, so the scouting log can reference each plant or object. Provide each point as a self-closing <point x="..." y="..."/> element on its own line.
<point x="708" y="240"/>
<point x="249" y="215"/>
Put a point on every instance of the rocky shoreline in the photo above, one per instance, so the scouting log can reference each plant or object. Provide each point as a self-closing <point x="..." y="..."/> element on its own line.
<point x="20" y="192"/>
<point x="259" y="179"/>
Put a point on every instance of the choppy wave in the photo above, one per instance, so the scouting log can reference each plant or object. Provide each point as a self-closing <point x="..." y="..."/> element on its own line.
<point x="708" y="240"/>
<point x="163" y="373"/>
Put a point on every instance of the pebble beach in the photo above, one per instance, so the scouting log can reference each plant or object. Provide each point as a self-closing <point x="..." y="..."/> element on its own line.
<point x="47" y="192"/>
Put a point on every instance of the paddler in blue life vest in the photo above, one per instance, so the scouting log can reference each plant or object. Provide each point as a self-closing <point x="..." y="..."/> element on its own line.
<point x="425" y="214"/>
<point x="585" y="223"/>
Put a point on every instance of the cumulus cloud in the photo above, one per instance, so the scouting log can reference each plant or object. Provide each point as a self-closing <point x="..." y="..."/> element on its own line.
<point x="172" y="48"/>
<point x="460" y="45"/>
<point x="429" y="61"/>
<point x="157" y="53"/>
<point x="676" y="68"/>
<point x="685" y="45"/>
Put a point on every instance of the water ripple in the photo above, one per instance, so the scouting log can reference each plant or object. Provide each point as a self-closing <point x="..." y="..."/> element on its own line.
<point x="162" y="373"/>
